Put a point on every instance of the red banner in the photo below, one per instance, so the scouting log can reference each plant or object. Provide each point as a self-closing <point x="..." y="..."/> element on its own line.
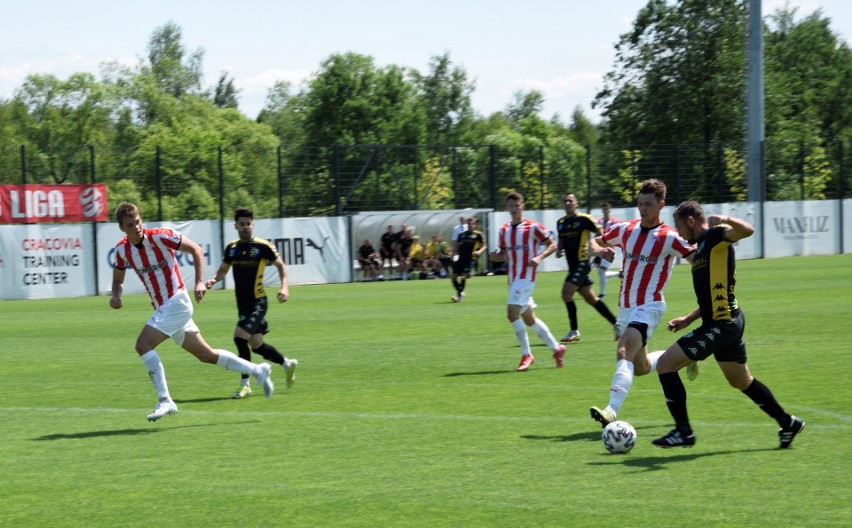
<point x="32" y="203"/>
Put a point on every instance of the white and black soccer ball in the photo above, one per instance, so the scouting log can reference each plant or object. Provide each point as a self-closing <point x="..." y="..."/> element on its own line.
<point x="619" y="437"/>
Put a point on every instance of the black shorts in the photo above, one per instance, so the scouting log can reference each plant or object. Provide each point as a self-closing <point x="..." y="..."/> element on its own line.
<point x="367" y="263"/>
<point x="721" y="339"/>
<point x="253" y="316"/>
<point x="462" y="266"/>
<point x="578" y="274"/>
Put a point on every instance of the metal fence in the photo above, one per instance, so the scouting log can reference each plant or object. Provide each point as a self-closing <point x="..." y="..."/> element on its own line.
<point x="193" y="184"/>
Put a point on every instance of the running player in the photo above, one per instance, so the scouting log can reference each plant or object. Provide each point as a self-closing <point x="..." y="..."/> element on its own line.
<point x="249" y="255"/>
<point x="151" y="254"/>
<point x="469" y="246"/>
<point x="574" y="230"/>
<point x="519" y="243"/>
<point x="720" y="335"/>
<point x="650" y="248"/>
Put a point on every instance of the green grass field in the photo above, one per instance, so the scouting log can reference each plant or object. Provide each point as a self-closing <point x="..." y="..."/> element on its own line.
<point x="407" y="412"/>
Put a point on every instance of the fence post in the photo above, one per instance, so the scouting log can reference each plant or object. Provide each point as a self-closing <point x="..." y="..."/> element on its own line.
<point x="23" y="164"/>
<point x="802" y="170"/>
<point x="221" y="171"/>
<point x="678" y="198"/>
<point x="720" y="172"/>
<point x="842" y="182"/>
<point x="159" y="185"/>
<point x="842" y="192"/>
<point x="633" y="173"/>
<point x="541" y="176"/>
<point x="94" y="223"/>
<point x="589" y="173"/>
<point x="492" y="177"/>
<point x="415" y="149"/>
<point x="279" y="169"/>
<point x="335" y="169"/>
<point x="377" y="154"/>
<point x="453" y="177"/>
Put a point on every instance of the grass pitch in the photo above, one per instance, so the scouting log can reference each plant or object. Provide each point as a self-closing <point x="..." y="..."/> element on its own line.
<point x="407" y="412"/>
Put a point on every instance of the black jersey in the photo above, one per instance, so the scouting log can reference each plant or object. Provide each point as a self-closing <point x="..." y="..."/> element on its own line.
<point x="387" y="242"/>
<point x="574" y="233"/>
<point x="468" y="242"/>
<point x="714" y="271"/>
<point x="248" y="261"/>
<point x="365" y="251"/>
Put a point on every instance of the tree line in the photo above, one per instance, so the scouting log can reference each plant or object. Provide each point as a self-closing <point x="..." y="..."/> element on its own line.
<point x="673" y="100"/>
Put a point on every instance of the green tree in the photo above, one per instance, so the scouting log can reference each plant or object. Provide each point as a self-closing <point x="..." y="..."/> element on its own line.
<point x="446" y="94"/>
<point x="678" y="75"/>
<point x="57" y="120"/>
<point x="524" y="106"/>
<point x="225" y="93"/>
<point x="176" y="71"/>
<point x="284" y="112"/>
<point x="808" y="72"/>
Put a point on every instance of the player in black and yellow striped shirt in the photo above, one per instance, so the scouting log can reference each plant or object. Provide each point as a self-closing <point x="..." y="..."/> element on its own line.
<point x="574" y="230"/>
<point x="722" y="325"/>
<point x="248" y="256"/>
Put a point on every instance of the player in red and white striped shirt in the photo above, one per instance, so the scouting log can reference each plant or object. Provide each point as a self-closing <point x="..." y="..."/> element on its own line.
<point x="650" y="249"/>
<point x="519" y="243"/>
<point x="151" y="254"/>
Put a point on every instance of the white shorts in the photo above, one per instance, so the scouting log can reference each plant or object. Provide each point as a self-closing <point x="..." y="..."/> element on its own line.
<point x="651" y="314"/>
<point x="520" y="293"/>
<point x="174" y="317"/>
<point x="605" y="264"/>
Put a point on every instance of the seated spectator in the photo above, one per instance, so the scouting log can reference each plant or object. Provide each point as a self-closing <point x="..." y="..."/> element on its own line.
<point x="444" y="255"/>
<point x="432" y="265"/>
<point x="368" y="258"/>
<point x="416" y="254"/>
<point x="402" y="247"/>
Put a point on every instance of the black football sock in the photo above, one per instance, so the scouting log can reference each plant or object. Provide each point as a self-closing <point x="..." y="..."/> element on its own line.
<point x="675" y="394"/>
<point x="269" y="352"/>
<point x="243" y="351"/>
<point x="603" y="309"/>
<point x="572" y="314"/>
<point x="762" y="396"/>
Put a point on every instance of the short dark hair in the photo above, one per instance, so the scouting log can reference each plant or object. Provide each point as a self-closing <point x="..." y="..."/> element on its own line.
<point x="243" y="212"/>
<point x="654" y="186"/>
<point x="515" y="195"/>
<point x="689" y="209"/>
<point x="606" y="205"/>
<point x="125" y="210"/>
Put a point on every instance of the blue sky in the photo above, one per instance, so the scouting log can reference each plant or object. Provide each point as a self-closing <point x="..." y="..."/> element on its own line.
<point x="561" y="47"/>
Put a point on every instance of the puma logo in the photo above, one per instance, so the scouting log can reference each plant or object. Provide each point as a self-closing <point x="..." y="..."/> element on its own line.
<point x="314" y="245"/>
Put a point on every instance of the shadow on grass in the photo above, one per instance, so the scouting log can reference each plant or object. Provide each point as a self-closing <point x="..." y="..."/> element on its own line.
<point x="125" y="432"/>
<point x="593" y="435"/>
<point x="485" y="372"/>
<point x="204" y="400"/>
<point x="586" y="435"/>
<point x="480" y="373"/>
<point x="656" y="463"/>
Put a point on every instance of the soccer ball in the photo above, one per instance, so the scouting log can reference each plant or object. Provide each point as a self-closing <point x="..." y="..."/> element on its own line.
<point x="619" y="437"/>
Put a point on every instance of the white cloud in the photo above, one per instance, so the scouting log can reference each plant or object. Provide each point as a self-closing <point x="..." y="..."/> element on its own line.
<point x="60" y="66"/>
<point x="264" y="80"/>
<point x="579" y="85"/>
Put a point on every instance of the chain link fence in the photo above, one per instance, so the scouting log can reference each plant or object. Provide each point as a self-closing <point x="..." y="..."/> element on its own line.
<point x="194" y="184"/>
